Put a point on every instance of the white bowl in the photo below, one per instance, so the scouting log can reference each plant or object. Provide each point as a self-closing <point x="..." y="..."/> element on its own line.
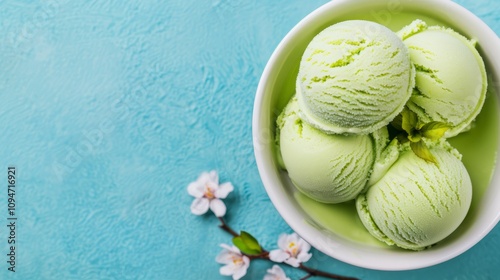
<point x="277" y="85"/>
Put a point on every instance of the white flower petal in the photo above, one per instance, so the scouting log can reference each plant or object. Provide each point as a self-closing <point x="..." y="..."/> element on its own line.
<point x="293" y="262"/>
<point x="240" y="272"/>
<point x="224" y="257"/>
<point x="303" y="256"/>
<point x="214" y="177"/>
<point x="212" y="187"/>
<point x="195" y="189"/>
<point x="269" y="277"/>
<point x="277" y="270"/>
<point x="304" y="246"/>
<point x="294" y="238"/>
<point x="283" y="241"/>
<point x="246" y="261"/>
<point x="228" y="254"/>
<point x="235" y="250"/>
<point x="276" y="273"/>
<point x="227" y="247"/>
<point x="242" y="269"/>
<point x="237" y="269"/>
<point x="278" y="255"/>
<point x="227" y="270"/>
<point x="199" y="206"/>
<point x="232" y="248"/>
<point x="204" y="179"/>
<point x="218" y="207"/>
<point x="224" y="190"/>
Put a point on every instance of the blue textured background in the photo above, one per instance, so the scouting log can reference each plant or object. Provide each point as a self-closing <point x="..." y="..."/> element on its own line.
<point x="110" y="108"/>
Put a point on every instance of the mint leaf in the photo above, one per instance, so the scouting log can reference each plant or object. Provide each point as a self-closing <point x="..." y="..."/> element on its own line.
<point x="415" y="137"/>
<point x="402" y="138"/>
<point x="422" y="151"/>
<point x="247" y="244"/>
<point x="397" y="122"/>
<point x="409" y="121"/>
<point x="434" y="130"/>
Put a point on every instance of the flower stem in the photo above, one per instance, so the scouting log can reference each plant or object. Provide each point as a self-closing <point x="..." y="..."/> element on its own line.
<point x="264" y="255"/>
<point x="226" y="228"/>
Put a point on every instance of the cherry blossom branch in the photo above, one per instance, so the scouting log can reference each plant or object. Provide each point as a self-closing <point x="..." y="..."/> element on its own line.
<point x="293" y="251"/>
<point x="226" y="228"/>
<point x="265" y="255"/>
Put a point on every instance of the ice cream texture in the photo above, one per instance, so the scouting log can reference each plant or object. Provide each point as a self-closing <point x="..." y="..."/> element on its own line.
<point x="451" y="81"/>
<point x="416" y="203"/>
<point x="328" y="168"/>
<point x="354" y="78"/>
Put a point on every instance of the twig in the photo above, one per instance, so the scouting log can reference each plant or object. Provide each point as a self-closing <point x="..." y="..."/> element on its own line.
<point x="265" y="255"/>
<point x="226" y="228"/>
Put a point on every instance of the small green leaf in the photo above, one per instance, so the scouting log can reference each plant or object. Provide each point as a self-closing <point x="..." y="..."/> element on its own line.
<point x="397" y="122"/>
<point x="247" y="244"/>
<point x="250" y="241"/>
<point x="422" y="151"/>
<point x="402" y="138"/>
<point x="238" y="242"/>
<point x="419" y="125"/>
<point x="434" y="130"/>
<point x="416" y="137"/>
<point x="409" y="121"/>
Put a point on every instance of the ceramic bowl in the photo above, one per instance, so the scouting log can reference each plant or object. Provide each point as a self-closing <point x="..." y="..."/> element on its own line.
<point x="277" y="85"/>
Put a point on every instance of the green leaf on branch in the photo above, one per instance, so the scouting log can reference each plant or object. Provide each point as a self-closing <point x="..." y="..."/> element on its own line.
<point x="251" y="242"/>
<point x="434" y="130"/>
<point x="247" y="244"/>
<point x="422" y="151"/>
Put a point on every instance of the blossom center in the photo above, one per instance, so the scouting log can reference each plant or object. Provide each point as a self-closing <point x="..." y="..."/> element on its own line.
<point x="292" y="249"/>
<point x="209" y="192"/>
<point x="237" y="260"/>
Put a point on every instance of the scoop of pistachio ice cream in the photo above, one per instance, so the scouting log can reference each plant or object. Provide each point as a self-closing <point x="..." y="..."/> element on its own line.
<point x="354" y="77"/>
<point x="329" y="168"/>
<point x="451" y="81"/>
<point x="413" y="203"/>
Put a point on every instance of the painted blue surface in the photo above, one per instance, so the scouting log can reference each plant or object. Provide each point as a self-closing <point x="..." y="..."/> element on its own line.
<point x="110" y="108"/>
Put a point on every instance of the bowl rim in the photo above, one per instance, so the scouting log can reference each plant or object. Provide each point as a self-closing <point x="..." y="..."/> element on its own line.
<point x="296" y="219"/>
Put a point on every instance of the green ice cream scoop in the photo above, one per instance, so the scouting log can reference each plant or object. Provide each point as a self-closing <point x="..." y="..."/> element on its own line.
<point x="354" y="78"/>
<point x="326" y="167"/>
<point x="451" y="78"/>
<point x="416" y="203"/>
